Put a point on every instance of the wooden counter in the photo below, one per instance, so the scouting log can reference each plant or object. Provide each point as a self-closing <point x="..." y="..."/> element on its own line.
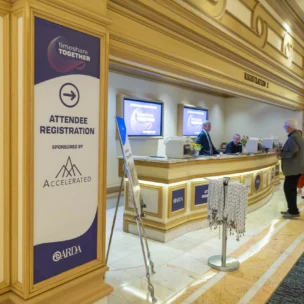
<point x="175" y="190"/>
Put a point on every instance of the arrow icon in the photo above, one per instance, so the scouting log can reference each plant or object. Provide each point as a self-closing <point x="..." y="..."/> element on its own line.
<point x="71" y="98"/>
<point x="72" y="95"/>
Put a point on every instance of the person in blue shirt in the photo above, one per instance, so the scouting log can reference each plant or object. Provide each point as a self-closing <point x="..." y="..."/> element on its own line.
<point x="205" y="141"/>
<point x="234" y="146"/>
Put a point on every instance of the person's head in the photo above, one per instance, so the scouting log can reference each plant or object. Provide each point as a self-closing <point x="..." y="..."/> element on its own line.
<point x="236" y="139"/>
<point x="290" y="125"/>
<point x="207" y="126"/>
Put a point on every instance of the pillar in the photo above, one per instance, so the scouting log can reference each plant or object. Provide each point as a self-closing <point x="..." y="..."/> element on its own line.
<point x="53" y="135"/>
<point x="4" y="147"/>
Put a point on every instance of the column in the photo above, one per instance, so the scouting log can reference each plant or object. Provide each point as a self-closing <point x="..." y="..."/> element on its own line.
<point x="58" y="130"/>
<point x="4" y="148"/>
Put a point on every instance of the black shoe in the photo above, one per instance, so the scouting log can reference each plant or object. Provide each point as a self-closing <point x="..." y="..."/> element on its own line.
<point x="284" y="212"/>
<point x="302" y="197"/>
<point x="290" y="216"/>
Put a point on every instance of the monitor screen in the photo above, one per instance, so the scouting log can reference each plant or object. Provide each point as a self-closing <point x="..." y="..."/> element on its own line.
<point x="193" y="119"/>
<point x="143" y="118"/>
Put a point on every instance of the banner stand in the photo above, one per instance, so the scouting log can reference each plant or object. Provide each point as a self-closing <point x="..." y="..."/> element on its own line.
<point x="142" y="226"/>
<point x="138" y="203"/>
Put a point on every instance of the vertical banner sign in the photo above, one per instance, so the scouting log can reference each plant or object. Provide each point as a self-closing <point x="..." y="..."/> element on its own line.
<point x="129" y="161"/>
<point x="201" y="194"/>
<point x="178" y="199"/>
<point x="66" y="140"/>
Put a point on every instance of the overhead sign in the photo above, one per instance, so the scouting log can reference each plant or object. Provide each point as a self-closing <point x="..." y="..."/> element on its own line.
<point x="66" y="148"/>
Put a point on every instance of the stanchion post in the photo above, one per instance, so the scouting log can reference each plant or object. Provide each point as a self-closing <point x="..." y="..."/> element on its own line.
<point x="222" y="262"/>
<point x="224" y="244"/>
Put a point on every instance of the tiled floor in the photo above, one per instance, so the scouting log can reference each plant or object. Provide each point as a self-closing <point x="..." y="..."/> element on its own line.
<point x="267" y="252"/>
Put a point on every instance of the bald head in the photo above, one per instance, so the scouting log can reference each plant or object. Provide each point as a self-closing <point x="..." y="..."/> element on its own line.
<point x="290" y="125"/>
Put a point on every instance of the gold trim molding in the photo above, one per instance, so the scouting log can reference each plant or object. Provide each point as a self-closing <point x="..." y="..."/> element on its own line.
<point x="190" y="33"/>
<point x="83" y="290"/>
<point x="214" y="8"/>
<point x="159" y="189"/>
<point x="5" y="147"/>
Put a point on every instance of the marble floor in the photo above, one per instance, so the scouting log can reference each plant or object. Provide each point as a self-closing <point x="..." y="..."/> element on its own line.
<point x="267" y="252"/>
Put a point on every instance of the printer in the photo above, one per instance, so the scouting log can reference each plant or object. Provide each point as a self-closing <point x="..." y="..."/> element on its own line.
<point x="252" y="145"/>
<point x="179" y="147"/>
<point x="268" y="143"/>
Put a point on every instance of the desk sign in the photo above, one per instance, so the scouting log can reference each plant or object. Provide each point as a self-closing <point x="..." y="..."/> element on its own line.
<point x="178" y="199"/>
<point x="201" y="194"/>
<point x="66" y="148"/>
<point x="257" y="182"/>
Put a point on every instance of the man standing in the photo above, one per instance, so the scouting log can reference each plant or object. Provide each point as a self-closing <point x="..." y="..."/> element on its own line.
<point x="234" y="146"/>
<point x="292" y="156"/>
<point x="205" y="141"/>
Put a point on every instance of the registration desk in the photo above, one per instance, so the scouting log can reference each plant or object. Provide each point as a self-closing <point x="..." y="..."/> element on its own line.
<point x="175" y="191"/>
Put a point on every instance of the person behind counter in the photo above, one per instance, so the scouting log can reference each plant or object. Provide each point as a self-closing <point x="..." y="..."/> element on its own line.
<point x="234" y="146"/>
<point x="205" y="141"/>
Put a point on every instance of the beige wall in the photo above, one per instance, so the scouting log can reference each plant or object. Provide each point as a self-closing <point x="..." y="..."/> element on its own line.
<point x="228" y="115"/>
<point x="171" y="96"/>
<point x="256" y="119"/>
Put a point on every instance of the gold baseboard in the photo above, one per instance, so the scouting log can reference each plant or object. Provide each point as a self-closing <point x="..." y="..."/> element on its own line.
<point x="84" y="290"/>
<point x="113" y="190"/>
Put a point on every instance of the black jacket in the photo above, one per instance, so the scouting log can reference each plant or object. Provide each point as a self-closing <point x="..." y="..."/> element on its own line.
<point x="233" y="148"/>
<point x="203" y="141"/>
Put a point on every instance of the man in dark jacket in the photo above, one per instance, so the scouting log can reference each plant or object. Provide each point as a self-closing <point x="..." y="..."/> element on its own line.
<point x="292" y="156"/>
<point x="234" y="146"/>
<point x="205" y="141"/>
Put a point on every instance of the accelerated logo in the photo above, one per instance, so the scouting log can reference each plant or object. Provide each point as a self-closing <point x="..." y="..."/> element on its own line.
<point x="68" y="174"/>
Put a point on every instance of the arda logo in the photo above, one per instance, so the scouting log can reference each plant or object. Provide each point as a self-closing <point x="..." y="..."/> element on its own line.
<point x="66" y="253"/>
<point x="69" y="169"/>
<point x="68" y="174"/>
<point x="178" y="200"/>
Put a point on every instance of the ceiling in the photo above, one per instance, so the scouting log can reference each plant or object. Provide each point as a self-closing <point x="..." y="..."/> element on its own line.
<point x="300" y="4"/>
<point x="292" y="12"/>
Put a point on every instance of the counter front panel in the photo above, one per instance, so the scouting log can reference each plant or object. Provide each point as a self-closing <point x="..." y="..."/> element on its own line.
<point x="176" y="191"/>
